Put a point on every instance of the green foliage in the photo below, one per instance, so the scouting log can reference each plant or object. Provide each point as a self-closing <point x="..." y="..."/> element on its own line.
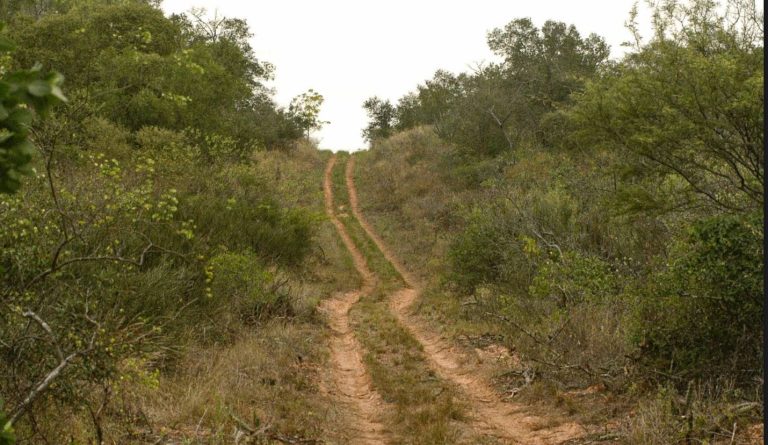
<point x="688" y="104"/>
<point x="703" y="312"/>
<point x="36" y="9"/>
<point x="607" y="212"/>
<point x="499" y="107"/>
<point x="553" y="61"/>
<point x="575" y="279"/>
<point x="489" y="251"/>
<point x="141" y="68"/>
<point x="22" y="92"/>
<point x="149" y="224"/>
<point x="305" y="111"/>
<point x="237" y="211"/>
<point x="382" y="115"/>
<point x="245" y="288"/>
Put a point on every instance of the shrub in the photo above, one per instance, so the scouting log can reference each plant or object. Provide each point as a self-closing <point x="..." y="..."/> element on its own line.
<point x="494" y="246"/>
<point x="575" y="278"/>
<point x="703" y="313"/>
<point x="244" y="288"/>
<point x="241" y="211"/>
<point x="488" y="251"/>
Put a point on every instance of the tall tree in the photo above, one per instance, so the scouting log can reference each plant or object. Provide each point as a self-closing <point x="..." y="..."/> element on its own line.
<point x="382" y="118"/>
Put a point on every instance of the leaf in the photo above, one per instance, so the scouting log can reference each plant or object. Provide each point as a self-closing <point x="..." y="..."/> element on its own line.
<point x="25" y="149"/>
<point x="3" y="113"/>
<point x="39" y="88"/>
<point x="58" y="94"/>
<point x="54" y="78"/>
<point x="22" y="118"/>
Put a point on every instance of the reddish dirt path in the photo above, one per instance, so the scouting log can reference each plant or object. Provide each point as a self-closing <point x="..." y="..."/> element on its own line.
<point x="351" y="383"/>
<point x="490" y="414"/>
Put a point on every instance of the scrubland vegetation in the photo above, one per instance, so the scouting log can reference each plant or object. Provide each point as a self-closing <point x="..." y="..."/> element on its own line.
<point x="602" y="218"/>
<point x="161" y="256"/>
<point x="163" y="246"/>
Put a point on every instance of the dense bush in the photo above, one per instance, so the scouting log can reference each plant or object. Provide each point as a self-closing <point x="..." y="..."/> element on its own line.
<point x="147" y="224"/>
<point x="489" y="250"/>
<point x="245" y="288"/>
<point x="575" y="279"/>
<point x="144" y="69"/>
<point x="702" y="314"/>
<point x="607" y="214"/>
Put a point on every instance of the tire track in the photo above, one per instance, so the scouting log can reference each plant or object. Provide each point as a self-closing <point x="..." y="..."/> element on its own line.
<point x="362" y="405"/>
<point x="490" y="414"/>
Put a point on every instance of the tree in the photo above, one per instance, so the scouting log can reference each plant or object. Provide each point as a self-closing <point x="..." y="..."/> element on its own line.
<point x="688" y="104"/>
<point x="304" y="109"/>
<point x="146" y="69"/>
<point x="549" y="63"/>
<point x="382" y="116"/>
<point x="499" y="107"/>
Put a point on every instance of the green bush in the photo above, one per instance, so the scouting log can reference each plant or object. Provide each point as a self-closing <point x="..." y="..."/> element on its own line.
<point x="245" y="288"/>
<point x="495" y="245"/>
<point x="574" y="279"/>
<point x="487" y="251"/>
<point x="703" y="313"/>
<point x="241" y="211"/>
<point x="22" y="93"/>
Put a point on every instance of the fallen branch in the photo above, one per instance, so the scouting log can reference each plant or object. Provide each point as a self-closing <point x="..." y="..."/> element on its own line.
<point x="265" y="432"/>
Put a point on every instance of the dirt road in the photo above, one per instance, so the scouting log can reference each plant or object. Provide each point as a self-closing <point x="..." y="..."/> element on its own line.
<point x="351" y="383"/>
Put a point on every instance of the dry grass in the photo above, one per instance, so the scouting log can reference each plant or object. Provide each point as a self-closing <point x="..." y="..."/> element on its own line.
<point x="268" y="374"/>
<point x="265" y="377"/>
<point x="712" y="413"/>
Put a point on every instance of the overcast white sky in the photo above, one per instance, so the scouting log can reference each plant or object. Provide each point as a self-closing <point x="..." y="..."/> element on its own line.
<point x="349" y="50"/>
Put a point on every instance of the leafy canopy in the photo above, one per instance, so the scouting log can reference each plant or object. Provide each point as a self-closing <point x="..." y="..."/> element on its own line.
<point x="22" y="93"/>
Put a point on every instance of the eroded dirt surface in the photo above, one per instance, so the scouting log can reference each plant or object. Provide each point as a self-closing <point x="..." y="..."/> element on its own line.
<point x="350" y="382"/>
<point x="490" y="414"/>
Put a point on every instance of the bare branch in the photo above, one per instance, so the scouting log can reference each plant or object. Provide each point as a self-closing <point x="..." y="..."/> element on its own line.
<point x="46" y="328"/>
<point x="42" y="386"/>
